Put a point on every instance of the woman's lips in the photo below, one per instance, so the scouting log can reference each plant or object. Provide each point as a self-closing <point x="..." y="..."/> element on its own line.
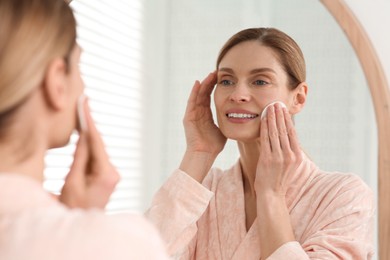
<point x="240" y="116"/>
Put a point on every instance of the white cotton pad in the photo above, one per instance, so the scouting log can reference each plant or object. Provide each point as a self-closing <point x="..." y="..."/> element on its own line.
<point x="264" y="113"/>
<point x="81" y="113"/>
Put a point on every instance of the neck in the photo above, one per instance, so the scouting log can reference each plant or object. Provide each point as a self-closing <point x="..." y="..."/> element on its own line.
<point x="23" y="147"/>
<point x="23" y="156"/>
<point x="249" y="156"/>
<point x="31" y="166"/>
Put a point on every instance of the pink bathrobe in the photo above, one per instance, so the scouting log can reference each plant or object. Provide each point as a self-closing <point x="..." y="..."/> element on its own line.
<point x="34" y="226"/>
<point x="332" y="216"/>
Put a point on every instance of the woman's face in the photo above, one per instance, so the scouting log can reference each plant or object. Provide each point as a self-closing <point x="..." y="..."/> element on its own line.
<point x="249" y="78"/>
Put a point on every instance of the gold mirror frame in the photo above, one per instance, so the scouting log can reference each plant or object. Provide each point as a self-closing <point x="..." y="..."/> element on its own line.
<point x="379" y="89"/>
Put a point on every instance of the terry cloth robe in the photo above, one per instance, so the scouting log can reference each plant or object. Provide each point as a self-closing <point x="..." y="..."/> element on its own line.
<point x="34" y="226"/>
<point x="332" y="215"/>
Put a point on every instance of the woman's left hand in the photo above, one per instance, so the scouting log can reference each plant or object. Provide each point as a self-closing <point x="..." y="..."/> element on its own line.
<point x="280" y="153"/>
<point x="92" y="177"/>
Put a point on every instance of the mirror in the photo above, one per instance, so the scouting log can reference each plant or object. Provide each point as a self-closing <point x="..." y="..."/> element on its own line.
<point x="381" y="97"/>
<point x="337" y="128"/>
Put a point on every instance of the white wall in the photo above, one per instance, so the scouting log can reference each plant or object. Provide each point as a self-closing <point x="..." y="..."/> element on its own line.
<point x="374" y="16"/>
<point x="155" y="78"/>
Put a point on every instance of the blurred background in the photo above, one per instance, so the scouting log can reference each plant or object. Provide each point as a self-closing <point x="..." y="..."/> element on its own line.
<point x="141" y="58"/>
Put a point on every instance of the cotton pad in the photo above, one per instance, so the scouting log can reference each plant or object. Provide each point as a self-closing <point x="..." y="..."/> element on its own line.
<point x="81" y="113"/>
<point x="264" y="113"/>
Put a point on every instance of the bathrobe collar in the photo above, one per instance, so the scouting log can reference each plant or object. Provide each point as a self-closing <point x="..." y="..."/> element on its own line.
<point x="301" y="179"/>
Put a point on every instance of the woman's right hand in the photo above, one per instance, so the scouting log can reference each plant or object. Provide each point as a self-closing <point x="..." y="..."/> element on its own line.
<point x="204" y="139"/>
<point x="202" y="134"/>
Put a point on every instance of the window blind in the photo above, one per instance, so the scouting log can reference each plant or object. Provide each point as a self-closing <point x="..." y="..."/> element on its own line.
<point x="110" y="34"/>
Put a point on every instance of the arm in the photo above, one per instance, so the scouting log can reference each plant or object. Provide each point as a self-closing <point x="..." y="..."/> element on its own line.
<point x="182" y="200"/>
<point x="204" y="139"/>
<point x="280" y="156"/>
<point x="175" y="210"/>
<point x="342" y="225"/>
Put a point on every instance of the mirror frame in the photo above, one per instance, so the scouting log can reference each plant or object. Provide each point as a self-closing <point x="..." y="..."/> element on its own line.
<point x="380" y="94"/>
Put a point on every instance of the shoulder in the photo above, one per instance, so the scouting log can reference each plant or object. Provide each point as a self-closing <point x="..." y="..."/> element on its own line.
<point x="57" y="232"/>
<point x="346" y="190"/>
<point x="341" y="182"/>
<point x="115" y="236"/>
<point x="91" y="222"/>
<point x="338" y="207"/>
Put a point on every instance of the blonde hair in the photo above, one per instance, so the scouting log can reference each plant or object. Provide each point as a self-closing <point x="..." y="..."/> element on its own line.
<point x="288" y="51"/>
<point x="32" y="34"/>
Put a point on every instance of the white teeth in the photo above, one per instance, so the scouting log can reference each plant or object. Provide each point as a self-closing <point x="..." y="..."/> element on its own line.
<point x="239" y="115"/>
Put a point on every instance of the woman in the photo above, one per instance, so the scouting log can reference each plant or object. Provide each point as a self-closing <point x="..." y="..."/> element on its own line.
<point x="274" y="203"/>
<point x="40" y="85"/>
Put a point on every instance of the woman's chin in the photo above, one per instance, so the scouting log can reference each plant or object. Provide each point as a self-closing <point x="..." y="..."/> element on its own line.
<point x="243" y="137"/>
<point x="60" y="142"/>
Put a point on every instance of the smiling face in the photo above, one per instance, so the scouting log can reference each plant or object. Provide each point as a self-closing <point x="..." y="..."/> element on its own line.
<point x="250" y="77"/>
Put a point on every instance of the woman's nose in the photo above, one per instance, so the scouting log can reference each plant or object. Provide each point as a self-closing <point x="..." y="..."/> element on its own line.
<point x="240" y="94"/>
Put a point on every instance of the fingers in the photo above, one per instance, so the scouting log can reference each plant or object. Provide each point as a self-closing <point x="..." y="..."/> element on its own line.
<point x="191" y="103"/>
<point x="201" y="91"/>
<point x="80" y="162"/>
<point x="273" y="132"/>
<point x="82" y="124"/>
<point x="92" y="178"/>
<point x="206" y="88"/>
<point x="293" y="138"/>
<point x="94" y="140"/>
<point x="74" y="186"/>
<point x="264" y="137"/>
<point x="208" y="84"/>
<point x="200" y="96"/>
<point x="282" y="130"/>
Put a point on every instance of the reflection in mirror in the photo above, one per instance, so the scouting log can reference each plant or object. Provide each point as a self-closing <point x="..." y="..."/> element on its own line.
<point x="337" y="127"/>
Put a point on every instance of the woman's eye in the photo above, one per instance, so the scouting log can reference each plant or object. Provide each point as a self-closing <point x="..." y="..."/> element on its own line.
<point x="226" y="82"/>
<point x="260" y="82"/>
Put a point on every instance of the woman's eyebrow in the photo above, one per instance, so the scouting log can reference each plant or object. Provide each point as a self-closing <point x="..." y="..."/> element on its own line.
<point x="228" y="70"/>
<point x="260" y="70"/>
<point x="254" y="71"/>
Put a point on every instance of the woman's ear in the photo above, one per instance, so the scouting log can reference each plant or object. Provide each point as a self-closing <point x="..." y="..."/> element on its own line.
<point x="54" y="85"/>
<point x="299" y="98"/>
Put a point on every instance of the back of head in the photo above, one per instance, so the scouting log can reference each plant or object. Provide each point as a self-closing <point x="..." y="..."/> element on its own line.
<point x="289" y="54"/>
<point x="32" y="33"/>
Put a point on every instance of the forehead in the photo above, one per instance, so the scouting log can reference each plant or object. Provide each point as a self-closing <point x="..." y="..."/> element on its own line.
<point x="251" y="55"/>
